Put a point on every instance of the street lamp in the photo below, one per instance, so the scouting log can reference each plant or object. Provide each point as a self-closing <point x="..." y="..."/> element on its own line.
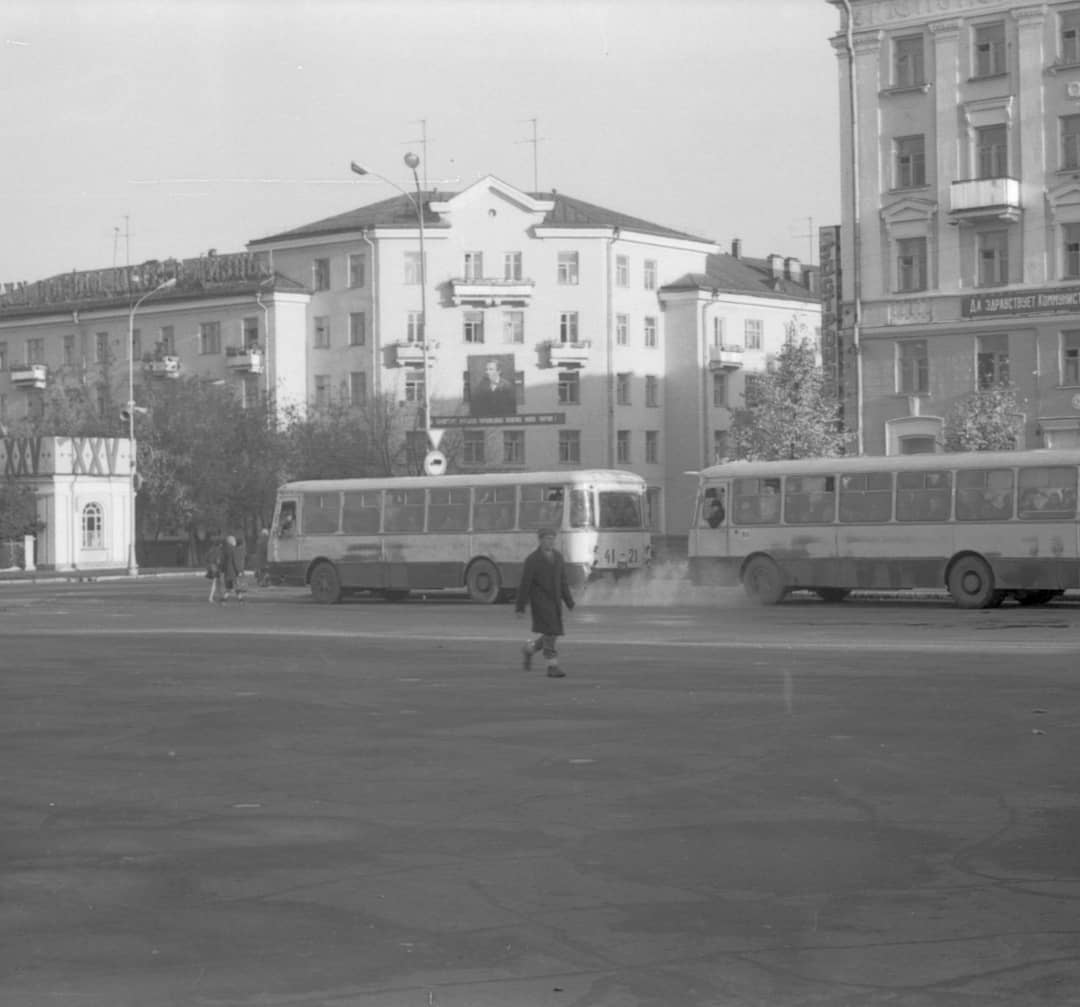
<point x="129" y="414"/>
<point x="412" y="162"/>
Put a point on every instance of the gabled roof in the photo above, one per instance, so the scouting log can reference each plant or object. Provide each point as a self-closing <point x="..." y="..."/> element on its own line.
<point x="743" y="275"/>
<point x="399" y="211"/>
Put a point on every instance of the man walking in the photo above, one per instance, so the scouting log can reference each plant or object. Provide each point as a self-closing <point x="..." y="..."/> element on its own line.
<point x="544" y="589"/>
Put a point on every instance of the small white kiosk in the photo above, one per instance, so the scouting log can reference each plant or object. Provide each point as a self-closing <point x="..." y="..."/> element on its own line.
<point x="84" y="498"/>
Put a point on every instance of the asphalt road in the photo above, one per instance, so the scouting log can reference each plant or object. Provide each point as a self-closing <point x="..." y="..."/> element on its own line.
<point x="372" y="805"/>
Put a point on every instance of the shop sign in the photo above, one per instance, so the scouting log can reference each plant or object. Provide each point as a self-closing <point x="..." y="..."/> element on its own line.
<point x="1003" y="304"/>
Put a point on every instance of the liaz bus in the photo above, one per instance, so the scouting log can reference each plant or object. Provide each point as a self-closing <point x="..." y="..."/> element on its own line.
<point x="396" y="535"/>
<point x="984" y="525"/>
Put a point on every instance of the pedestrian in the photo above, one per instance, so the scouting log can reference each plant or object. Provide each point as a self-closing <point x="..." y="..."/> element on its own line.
<point x="213" y="572"/>
<point x="229" y="572"/>
<point x="240" y="550"/>
<point x="544" y="589"/>
<point x="262" y="558"/>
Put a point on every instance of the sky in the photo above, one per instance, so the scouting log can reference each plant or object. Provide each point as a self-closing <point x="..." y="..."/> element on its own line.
<point x="162" y="128"/>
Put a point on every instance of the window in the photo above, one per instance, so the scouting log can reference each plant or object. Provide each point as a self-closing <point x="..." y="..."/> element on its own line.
<point x="513" y="326"/>
<point x="448" y="508"/>
<point x="322" y="332"/>
<point x="1070" y="37"/>
<point x="519" y="387"/>
<point x="622" y="447"/>
<point x="357" y="388"/>
<point x="474" y="265"/>
<point x="649" y="269"/>
<point x="361" y="512"/>
<point x="984" y="495"/>
<point x="622" y="330"/>
<point x="1070" y="357"/>
<point x="493" y="508"/>
<point x="908" y="61"/>
<point x="513" y="447"/>
<point x="357" y="328"/>
<point x="210" y="337"/>
<point x="923" y="496"/>
<point x="542" y="506"/>
<point x="622" y="389"/>
<point x="910" y="265"/>
<point x="910" y="162"/>
<point x="719" y="389"/>
<point x="101" y="348"/>
<point x="1047" y="494"/>
<point x="568" y="268"/>
<point x="1071" y="256"/>
<point x="413" y="328"/>
<point x="251" y="332"/>
<point x="414" y="387"/>
<point x="321" y="272"/>
<point x="622" y="271"/>
<point x="357" y="270"/>
<point x="320" y="513"/>
<point x="913" y="367"/>
<point x="570" y="447"/>
<point x="322" y="390"/>
<point x="35" y="351"/>
<point x="69" y="352"/>
<point x="993" y="249"/>
<point x="512" y="266"/>
<point x="809" y="499"/>
<point x="992" y="360"/>
<point x="990" y="49"/>
<point x="992" y="152"/>
<point x="136" y="344"/>
<point x="403" y="511"/>
<point x="650" y="331"/>
<point x="569" y="388"/>
<point x="473" y="326"/>
<point x="412" y="267"/>
<point x="168" y="340"/>
<point x="866" y="498"/>
<point x="757" y="501"/>
<point x="754" y="333"/>
<point x="1070" y="142"/>
<point x="652" y="390"/>
<point x="652" y="447"/>
<point x="473" y="447"/>
<point x="568" y="327"/>
<point x="719" y="446"/>
<point x="93" y="526"/>
<point x="718" y="332"/>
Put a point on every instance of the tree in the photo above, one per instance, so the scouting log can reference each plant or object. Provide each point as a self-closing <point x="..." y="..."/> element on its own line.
<point x="787" y="412"/>
<point x="986" y="420"/>
<point x="18" y="510"/>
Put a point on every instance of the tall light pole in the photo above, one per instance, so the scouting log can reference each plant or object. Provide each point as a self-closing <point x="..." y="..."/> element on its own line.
<point x="412" y="162"/>
<point x="133" y="565"/>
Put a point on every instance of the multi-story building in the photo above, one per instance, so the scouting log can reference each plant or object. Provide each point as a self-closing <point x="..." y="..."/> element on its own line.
<point x="614" y="342"/>
<point x="960" y="248"/>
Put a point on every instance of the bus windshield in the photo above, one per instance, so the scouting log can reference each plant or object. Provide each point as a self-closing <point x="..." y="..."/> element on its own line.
<point x="620" y="509"/>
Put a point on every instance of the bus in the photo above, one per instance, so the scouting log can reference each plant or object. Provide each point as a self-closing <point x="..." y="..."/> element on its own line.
<point x="425" y="533"/>
<point x="984" y="525"/>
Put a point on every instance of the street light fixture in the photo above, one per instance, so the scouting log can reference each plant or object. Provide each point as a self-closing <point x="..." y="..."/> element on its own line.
<point x="129" y="415"/>
<point x="412" y="162"/>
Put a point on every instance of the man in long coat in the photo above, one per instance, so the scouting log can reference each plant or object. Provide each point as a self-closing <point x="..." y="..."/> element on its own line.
<point x="544" y="589"/>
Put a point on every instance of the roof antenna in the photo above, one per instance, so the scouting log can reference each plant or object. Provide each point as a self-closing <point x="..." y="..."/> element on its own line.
<point x="535" y="141"/>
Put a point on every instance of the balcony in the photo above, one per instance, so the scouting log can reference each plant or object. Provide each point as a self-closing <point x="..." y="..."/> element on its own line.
<point x="29" y="375"/>
<point x="409" y="355"/>
<point x="162" y="367"/>
<point x="557" y="354"/>
<point x="241" y="358"/>
<point x="725" y="358"/>
<point x="980" y="199"/>
<point x="489" y="292"/>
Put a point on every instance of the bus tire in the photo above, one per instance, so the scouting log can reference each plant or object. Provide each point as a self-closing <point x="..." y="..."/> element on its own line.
<point x="971" y="583"/>
<point x="763" y="582"/>
<point x="325" y="584"/>
<point x="832" y="595"/>
<point x="483" y="582"/>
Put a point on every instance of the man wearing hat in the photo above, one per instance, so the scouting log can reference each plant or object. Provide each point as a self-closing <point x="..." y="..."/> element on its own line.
<point x="544" y="589"/>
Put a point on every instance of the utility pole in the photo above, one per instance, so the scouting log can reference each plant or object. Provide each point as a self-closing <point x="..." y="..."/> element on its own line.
<point x="809" y="235"/>
<point x="423" y="146"/>
<point x="535" y="141"/>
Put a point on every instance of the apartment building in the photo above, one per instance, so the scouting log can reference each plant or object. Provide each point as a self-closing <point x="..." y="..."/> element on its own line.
<point x="960" y="235"/>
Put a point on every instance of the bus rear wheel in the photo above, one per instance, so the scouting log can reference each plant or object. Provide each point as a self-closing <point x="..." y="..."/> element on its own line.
<point x="325" y="584"/>
<point x="484" y="582"/>
<point x="971" y="583"/>
<point x="763" y="582"/>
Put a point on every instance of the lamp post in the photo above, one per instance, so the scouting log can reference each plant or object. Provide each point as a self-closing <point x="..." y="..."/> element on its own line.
<point x="133" y="565"/>
<point x="412" y="162"/>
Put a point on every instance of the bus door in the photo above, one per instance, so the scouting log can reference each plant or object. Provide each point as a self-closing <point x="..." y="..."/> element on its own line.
<point x="284" y="546"/>
<point x="712" y="529"/>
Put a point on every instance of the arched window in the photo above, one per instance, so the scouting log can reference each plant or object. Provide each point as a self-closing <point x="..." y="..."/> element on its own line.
<point x="93" y="527"/>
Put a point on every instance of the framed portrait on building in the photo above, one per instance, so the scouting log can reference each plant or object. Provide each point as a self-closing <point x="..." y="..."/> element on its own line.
<point x="491" y="385"/>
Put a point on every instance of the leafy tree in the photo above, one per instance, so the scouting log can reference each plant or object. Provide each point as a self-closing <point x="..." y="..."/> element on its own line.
<point x="787" y="412"/>
<point x="986" y="420"/>
<point x="18" y="510"/>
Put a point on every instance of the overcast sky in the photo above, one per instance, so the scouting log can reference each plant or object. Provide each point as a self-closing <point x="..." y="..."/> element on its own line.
<point x="192" y="124"/>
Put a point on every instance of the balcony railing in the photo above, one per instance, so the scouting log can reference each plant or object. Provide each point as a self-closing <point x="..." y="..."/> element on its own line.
<point x="490" y="291"/>
<point x="244" y="358"/>
<point x="559" y="354"/>
<point x="164" y="366"/>
<point x="725" y="358"/>
<point x="985" y="198"/>
<point x="29" y="375"/>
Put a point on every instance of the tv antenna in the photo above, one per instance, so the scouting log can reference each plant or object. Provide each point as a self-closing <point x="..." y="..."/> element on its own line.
<point x="535" y="141"/>
<point x="423" y="147"/>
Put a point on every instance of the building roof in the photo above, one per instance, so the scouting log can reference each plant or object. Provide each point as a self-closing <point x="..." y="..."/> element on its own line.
<point x="741" y="275"/>
<point x="399" y="211"/>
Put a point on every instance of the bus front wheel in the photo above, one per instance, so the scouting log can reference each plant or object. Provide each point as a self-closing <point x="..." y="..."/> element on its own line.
<point x="763" y="582"/>
<point x="325" y="584"/>
<point x="484" y="582"/>
<point x="971" y="583"/>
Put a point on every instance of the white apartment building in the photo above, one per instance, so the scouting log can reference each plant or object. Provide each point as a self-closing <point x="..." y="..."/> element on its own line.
<point x="960" y="235"/>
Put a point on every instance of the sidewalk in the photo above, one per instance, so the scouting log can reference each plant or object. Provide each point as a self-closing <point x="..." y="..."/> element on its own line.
<point x="16" y="575"/>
